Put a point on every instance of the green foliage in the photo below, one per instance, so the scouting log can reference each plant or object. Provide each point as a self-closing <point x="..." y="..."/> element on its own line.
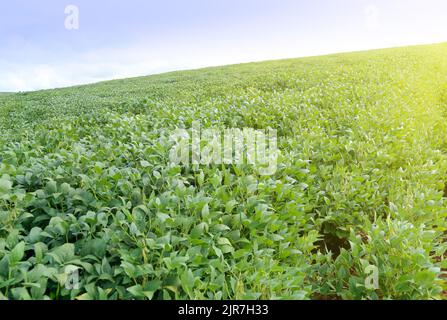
<point x="86" y="184"/>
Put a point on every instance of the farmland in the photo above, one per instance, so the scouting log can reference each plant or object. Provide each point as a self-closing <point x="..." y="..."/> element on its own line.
<point x="86" y="184"/>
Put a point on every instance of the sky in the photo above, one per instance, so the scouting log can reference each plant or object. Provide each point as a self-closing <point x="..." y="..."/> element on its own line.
<point x="56" y="43"/>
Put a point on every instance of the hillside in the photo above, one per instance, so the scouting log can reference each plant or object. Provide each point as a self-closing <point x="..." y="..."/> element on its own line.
<point x="86" y="183"/>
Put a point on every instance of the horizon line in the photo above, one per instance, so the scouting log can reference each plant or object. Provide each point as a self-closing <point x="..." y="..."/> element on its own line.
<point x="186" y="69"/>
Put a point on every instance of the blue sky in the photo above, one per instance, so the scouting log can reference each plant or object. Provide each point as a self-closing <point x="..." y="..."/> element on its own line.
<point x="118" y="39"/>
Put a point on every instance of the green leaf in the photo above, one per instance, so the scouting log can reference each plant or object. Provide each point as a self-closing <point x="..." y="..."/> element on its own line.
<point x="95" y="247"/>
<point x="205" y="211"/>
<point x="145" y="164"/>
<point x="5" y="185"/>
<point x="16" y="255"/>
<point x="51" y="187"/>
<point x="151" y="287"/>
<point x="187" y="280"/>
<point x="223" y="241"/>
<point x="64" y="253"/>
<point x="136" y="291"/>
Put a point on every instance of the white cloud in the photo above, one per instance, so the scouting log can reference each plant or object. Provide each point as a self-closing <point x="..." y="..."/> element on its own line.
<point x="25" y="78"/>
